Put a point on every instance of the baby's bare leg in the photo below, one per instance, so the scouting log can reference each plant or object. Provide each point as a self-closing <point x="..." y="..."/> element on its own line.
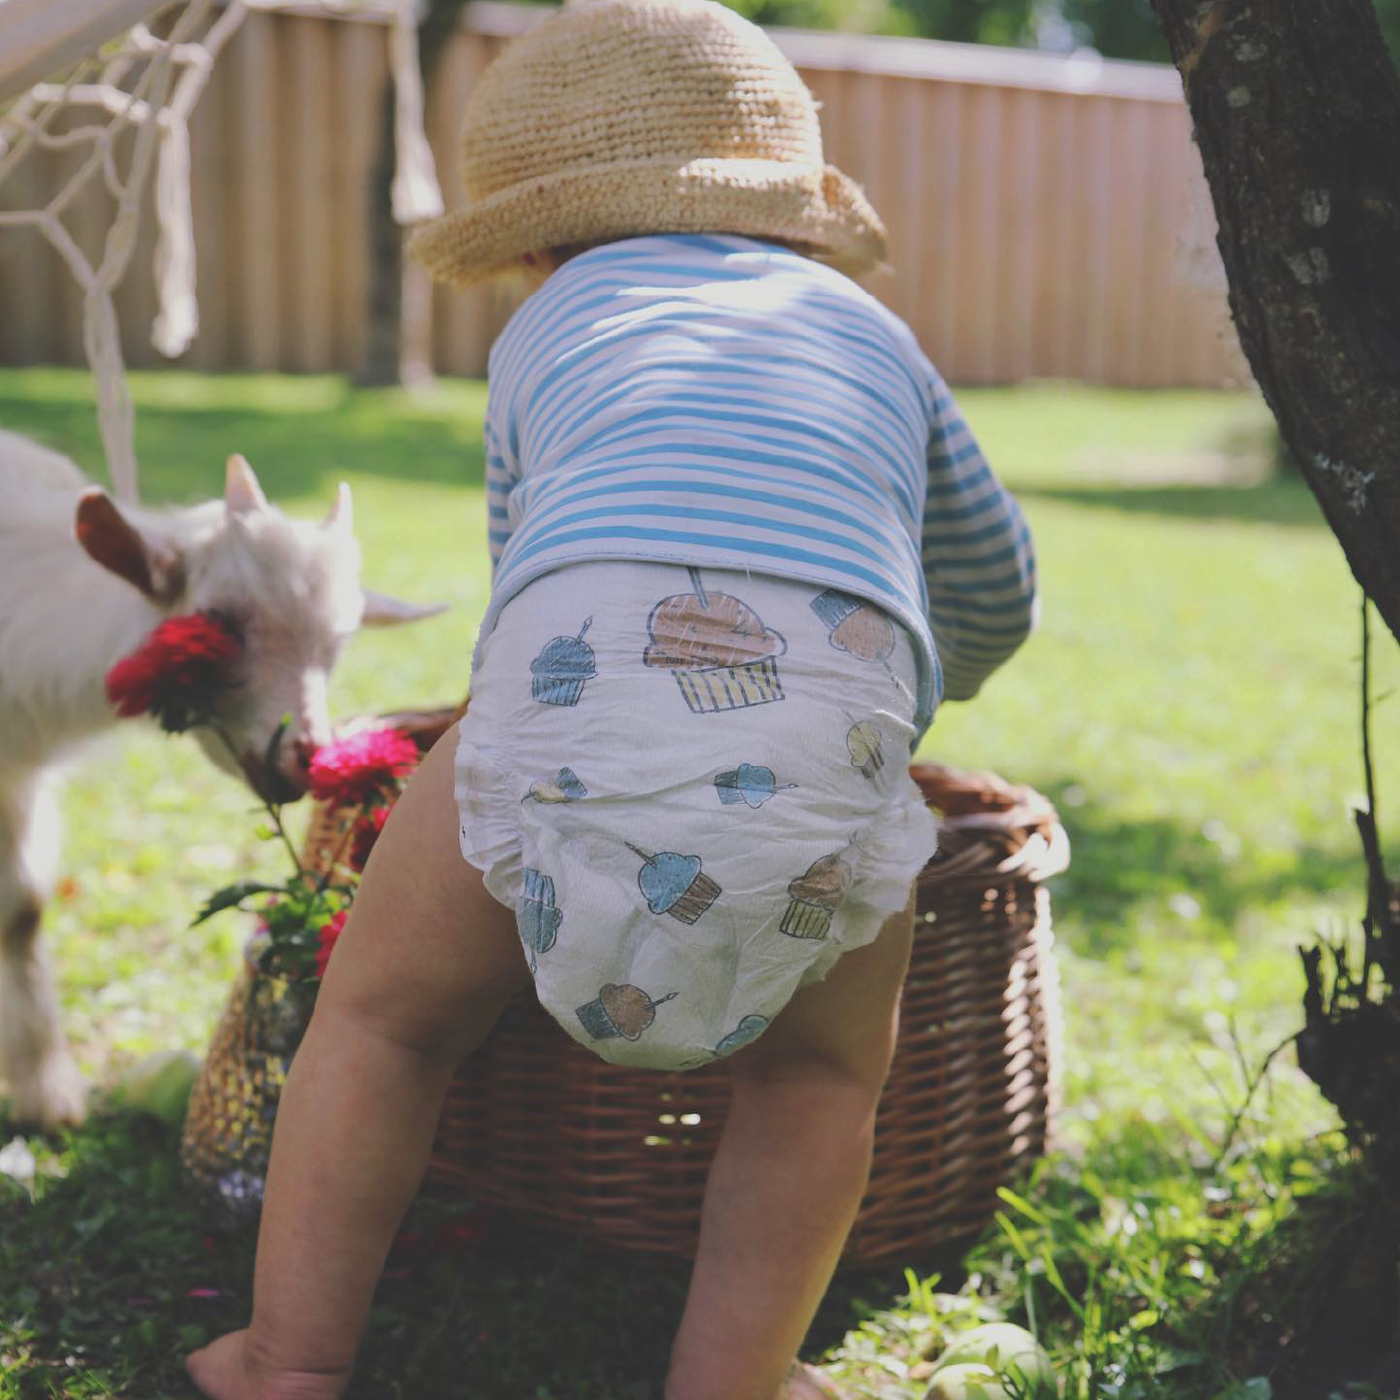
<point x="425" y="964"/>
<point x="788" y="1176"/>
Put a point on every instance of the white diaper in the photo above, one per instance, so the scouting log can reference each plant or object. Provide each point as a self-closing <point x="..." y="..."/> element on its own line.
<point x="693" y="789"/>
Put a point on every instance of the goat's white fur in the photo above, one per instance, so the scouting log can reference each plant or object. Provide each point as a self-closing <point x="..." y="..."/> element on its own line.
<point x="65" y="619"/>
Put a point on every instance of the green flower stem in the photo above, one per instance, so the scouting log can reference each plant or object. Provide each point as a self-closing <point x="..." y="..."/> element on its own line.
<point x="273" y="810"/>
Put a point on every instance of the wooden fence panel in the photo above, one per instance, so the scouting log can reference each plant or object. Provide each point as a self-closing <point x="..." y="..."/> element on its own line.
<point x="1036" y="209"/>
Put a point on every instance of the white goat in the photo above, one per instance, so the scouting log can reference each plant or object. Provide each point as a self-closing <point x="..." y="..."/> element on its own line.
<point x="82" y="582"/>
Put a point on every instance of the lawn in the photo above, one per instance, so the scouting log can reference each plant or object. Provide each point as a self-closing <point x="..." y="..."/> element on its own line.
<point x="1189" y="702"/>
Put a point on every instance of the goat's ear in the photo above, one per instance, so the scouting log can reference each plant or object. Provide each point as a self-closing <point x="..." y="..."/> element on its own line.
<point x="341" y="516"/>
<point x="384" y="611"/>
<point x="110" y="539"/>
<point x="242" y="493"/>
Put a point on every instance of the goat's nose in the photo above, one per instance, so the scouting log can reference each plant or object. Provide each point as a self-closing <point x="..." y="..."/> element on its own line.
<point x="303" y="751"/>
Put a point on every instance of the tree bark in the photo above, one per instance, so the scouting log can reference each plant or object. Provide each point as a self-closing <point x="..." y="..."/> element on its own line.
<point x="1296" y="107"/>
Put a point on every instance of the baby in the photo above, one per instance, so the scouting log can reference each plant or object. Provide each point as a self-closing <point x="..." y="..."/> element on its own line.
<point x="743" y="545"/>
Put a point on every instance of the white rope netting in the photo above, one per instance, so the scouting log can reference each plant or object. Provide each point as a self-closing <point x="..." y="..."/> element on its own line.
<point x="136" y="94"/>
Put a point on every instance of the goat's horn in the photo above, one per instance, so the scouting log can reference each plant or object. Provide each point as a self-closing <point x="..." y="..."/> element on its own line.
<point x="341" y="514"/>
<point x="242" y="493"/>
<point x="384" y="611"/>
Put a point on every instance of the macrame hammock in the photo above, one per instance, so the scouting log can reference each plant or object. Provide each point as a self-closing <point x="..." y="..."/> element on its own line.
<point x="139" y="68"/>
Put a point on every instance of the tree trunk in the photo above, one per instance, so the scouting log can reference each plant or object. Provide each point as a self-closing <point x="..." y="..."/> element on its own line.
<point x="1296" y="106"/>
<point x="384" y="285"/>
<point x="384" y="309"/>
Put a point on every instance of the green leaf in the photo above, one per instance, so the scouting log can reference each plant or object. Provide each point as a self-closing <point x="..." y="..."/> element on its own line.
<point x="232" y="895"/>
<point x="1024" y="1206"/>
<point x="191" y="1335"/>
<point x="1052" y="1273"/>
<point x="1014" y="1235"/>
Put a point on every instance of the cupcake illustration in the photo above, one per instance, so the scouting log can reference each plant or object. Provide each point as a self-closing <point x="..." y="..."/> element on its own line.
<point x="558" y="673"/>
<point x="675" y="884"/>
<point x="567" y="787"/>
<point x="865" y="744"/>
<point x="536" y="916"/>
<point x="857" y="627"/>
<point x="619" y="1009"/>
<point x="815" y="896"/>
<point x="749" y="1029"/>
<point x="718" y="650"/>
<point x="750" y="783"/>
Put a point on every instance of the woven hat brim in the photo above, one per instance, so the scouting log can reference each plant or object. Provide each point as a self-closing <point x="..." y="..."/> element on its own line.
<point x="822" y="210"/>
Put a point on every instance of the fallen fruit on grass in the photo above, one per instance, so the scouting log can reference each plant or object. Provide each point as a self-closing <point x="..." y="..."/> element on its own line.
<point x="1006" y="1349"/>
<point x="160" y="1085"/>
<point x="967" y="1381"/>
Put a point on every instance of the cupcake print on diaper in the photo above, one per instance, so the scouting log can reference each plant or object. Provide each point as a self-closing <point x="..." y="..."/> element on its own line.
<point x="858" y="628"/>
<point x="558" y="673"/>
<point x="745" y="1033"/>
<point x="536" y="916"/>
<point x="717" y="648"/>
<point x="619" y="1009"/>
<point x="675" y="884"/>
<point x="566" y="787"/>
<point x="750" y="783"/>
<point x="866" y="746"/>
<point x="816" y="895"/>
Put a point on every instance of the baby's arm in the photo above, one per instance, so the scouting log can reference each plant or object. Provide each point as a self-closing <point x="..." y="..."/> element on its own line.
<point x="979" y="564"/>
<point x="424" y="966"/>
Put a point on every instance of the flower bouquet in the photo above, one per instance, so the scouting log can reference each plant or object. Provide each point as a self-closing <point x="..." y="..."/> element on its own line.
<point x="228" y="1128"/>
<point x="177" y="676"/>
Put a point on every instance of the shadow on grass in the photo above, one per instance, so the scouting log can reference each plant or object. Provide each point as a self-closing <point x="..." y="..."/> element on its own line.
<point x="298" y="447"/>
<point x="1118" y="866"/>
<point x="112" y="1273"/>
<point x="1273" y="502"/>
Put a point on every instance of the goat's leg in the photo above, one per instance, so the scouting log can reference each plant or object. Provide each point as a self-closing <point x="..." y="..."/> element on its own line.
<point x="45" y="1087"/>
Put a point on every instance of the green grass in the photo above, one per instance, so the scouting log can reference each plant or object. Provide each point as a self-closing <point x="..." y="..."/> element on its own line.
<point x="1190" y="703"/>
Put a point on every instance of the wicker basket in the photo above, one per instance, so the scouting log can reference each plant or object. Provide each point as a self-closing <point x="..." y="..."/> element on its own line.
<point x="539" y="1125"/>
<point x="228" y="1125"/>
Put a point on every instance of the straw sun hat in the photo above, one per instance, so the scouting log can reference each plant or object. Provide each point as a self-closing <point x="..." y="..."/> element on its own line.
<point x="620" y="117"/>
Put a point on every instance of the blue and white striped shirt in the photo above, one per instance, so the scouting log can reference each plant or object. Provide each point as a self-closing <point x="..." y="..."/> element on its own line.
<point x="716" y="401"/>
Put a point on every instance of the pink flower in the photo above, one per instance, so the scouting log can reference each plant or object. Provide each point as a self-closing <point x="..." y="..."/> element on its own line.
<point x="351" y="771"/>
<point x="326" y="939"/>
<point x="177" y="673"/>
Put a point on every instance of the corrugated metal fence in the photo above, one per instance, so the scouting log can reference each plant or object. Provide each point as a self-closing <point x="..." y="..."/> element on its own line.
<point x="1047" y="216"/>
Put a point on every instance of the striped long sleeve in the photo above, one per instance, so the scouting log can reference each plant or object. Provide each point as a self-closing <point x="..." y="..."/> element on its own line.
<point x="500" y="479"/>
<point x="716" y="401"/>
<point x="979" y="562"/>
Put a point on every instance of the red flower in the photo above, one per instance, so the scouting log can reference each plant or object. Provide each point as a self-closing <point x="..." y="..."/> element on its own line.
<point x="178" y="671"/>
<point x="351" y="771"/>
<point x="326" y="939"/>
<point x="367" y="831"/>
